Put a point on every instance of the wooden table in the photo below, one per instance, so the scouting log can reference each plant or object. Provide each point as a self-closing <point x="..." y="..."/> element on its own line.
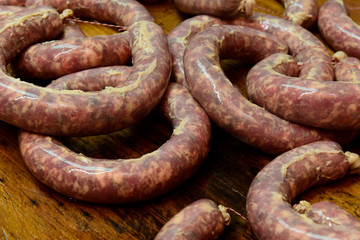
<point x="31" y="210"/>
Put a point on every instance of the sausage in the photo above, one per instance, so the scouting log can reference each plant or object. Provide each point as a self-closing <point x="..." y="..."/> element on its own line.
<point x="225" y="105"/>
<point x="202" y="219"/>
<point x="276" y="185"/>
<point x="301" y="12"/>
<point x="315" y="60"/>
<point x="94" y="79"/>
<point x="62" y="113"/>
<point x="217" y="8"/>
<point x="338" y="29"/>
<point x="330" y="105"/>
<point x="13" y="2"/>
<point x="327" y="213"/>
<point x="53" y="59"/>
<point x="179" y="38"/>
<point x="347" y="69"/>
<point x="125" y="180"/>
<point x="305" y="47"/>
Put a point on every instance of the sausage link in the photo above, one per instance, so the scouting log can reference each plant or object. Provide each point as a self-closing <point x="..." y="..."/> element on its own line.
<point x="226" y="106"/>
<point x="217" y="8"/>
<point x="95" y="79"/>
<point x="201" y="220"/>
<point x="48" y="111"/>
<point x="301" y="12"/>
<point x="330" y="105"/>
<point x="338" y="29"/>
<point x="53" y="59"/>
<point x="278" y="183"/>
<point x="327" y="213"/>
<point x="125" y="180"/>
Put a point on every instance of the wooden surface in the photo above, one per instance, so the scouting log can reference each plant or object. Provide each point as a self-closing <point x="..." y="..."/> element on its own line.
<point x="31" y="210"/>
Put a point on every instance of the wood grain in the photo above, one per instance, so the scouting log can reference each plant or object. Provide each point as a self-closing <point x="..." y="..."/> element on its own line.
<point x="31" y="210"/>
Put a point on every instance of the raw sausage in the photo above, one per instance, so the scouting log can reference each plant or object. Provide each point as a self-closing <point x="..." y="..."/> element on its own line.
<point x="315" y="60"/>
<point x="217" y="8"/>
<point x="179" y="38"/>
<point x="95" y="79"/>
<point x="304" y="46"/>
<point x="201" y="220"/>
<point x="53" y="59"/>
<point x="330" y="105"/>
<point x="71" y="30"/>
<point x="268" y="201"/>
<point x="327" y="213"/>
<point x="225" y="105"/>
<point x="125" y="180"/>
<point x="48" y="111"/>
<point x="338" y="29"/>
<point x="347" y="69"/>
<point x="301" y="12"/>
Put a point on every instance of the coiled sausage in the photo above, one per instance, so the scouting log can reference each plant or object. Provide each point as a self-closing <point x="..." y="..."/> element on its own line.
<point x="125" y="180"/>
<point x="268" y="201"/>
<point x="225" y="105"/>
<point x="330" y="105"/>
<point x="53" y="112"/>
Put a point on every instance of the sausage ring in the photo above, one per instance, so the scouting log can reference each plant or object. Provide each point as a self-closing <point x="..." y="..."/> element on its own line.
<point x="284" y="178"/>
<point x="125" y="180"/>
<point x="47" y="111"/>
<point x="330" y="105"/>
<point x="225" y="105"/>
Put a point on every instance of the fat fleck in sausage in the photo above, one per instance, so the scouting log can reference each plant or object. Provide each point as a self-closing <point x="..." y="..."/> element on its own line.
<point x="53" y="59"/>
<point x="301" y="12"/>
<point x="218" y="8"/>
<point x="201" y="220"/>
<point x="338" y="29"/>
<point x="48" y="111"/>
<point x="225" y="105"/>
<point x="125" y="180"/>
<point x="268" y="201"/>
<point x="327" y="213"/>
<point x="330" y="105"/>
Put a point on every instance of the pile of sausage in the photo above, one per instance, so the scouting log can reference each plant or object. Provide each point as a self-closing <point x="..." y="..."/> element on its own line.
<point x="302" y="103"/>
